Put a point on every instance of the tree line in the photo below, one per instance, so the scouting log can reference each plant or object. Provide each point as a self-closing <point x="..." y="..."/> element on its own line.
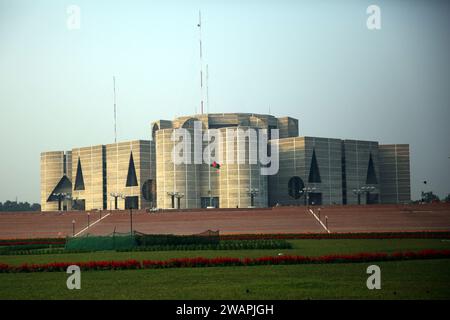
<point x="19" y="206"/>
<point x="430" y="197"/>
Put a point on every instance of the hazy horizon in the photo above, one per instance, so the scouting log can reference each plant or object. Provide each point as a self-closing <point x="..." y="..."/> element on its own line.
<point x="312" y="60"/>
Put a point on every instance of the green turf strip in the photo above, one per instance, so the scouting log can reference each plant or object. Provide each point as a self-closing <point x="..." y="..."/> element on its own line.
<point x="421" y="279"/>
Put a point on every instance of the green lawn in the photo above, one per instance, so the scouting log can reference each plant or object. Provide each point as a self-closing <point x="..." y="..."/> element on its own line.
<point x="301" y="247"/>
<point x="421" y="279"/>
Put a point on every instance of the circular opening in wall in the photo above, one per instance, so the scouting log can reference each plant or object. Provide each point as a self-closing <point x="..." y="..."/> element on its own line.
<point x="147" y="190"/>
<point x="295" y="187"/>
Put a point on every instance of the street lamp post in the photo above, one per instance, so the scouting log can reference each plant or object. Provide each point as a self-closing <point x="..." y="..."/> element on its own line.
<point x="61" y="196"/>
<point x="172" y="198"/>
<point x="88" y="218"/>
<point x="131" y="220"/>
<point x="179" y="195"/>
<point x="307" y="191"/>
<point x="124" y="197"/>
<point x="358" y="193"/>
<point x="367" y="190"/>
<point x="116" y="195"/>
<point x="252" y="192"/>
<point x="363" y="190"/>
<point x="73" y="227"/>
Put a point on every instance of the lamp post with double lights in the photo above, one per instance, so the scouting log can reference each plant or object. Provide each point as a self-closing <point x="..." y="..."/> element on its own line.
<point x="116" y="195"/>
<point x="61" y="196"/>
<point x="307" y="191"/>
<point x="252" y="192"/>
<point x="124" y="197"/>
<point x="175" y="195"/>
<point x="363" y="190"/>
<point x="172" y="198"/>
<point x="179" y="195"/>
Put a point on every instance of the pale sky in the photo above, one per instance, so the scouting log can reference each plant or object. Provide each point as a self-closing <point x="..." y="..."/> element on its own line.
<point x="312" y="60"/>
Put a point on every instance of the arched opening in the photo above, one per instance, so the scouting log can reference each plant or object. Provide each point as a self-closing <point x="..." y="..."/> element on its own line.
<point x="295" y="187"/>
<point x="149" y="191"/>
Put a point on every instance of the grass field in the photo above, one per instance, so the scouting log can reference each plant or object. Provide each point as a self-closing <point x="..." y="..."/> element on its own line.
<point x="400" y="280"/>
<point x="421" y="279"/>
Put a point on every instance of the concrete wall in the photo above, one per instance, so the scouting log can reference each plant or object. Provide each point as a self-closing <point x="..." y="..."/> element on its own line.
<point x="104" y="170"/>
<point x="357" y="154"/>
<point x="295" y="161"/>
<point x="91" y="160"/>
<point x="117" y="163"/>
<point x="171" y="178"/>
<point x="288" y="127"/>
<point x="52" y="170"/>
<point x="231" y="184"/>
<point x="395" y="173"/>
<point x="240" y="176"/>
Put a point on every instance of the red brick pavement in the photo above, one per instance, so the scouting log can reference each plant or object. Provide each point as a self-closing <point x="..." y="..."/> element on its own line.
<point x="375" y="218"/>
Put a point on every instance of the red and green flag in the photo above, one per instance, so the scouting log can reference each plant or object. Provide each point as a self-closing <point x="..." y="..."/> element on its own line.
<point x="216" y="165"/>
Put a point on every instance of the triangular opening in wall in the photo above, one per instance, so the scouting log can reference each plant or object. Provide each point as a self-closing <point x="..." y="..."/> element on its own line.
<point x="131" y="176"/>
<point x="64" y="186"/>
<point x="371" y="175"/>
<point x="79" y="181"/>
<point x="314" y="174"/>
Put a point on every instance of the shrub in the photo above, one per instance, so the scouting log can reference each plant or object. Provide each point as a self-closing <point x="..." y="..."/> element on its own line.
<point x="147" y="240"/>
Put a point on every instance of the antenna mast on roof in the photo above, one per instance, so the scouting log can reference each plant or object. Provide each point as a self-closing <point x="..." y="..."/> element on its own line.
<point x="115" y="117"/>
<point x="207" y="91"/>
<point x="201" y="59"/>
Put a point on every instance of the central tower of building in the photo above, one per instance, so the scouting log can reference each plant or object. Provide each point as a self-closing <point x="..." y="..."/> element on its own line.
<point x="234" y="185"/>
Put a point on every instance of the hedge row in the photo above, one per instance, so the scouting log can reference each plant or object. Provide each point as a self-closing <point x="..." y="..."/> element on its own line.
<point x="34" y="251"/>
<point x="43" y="241"/>
<point x="227" y="261"/>
<point x="29" y="247"/>
<point x="146" y="240"/>
<point x="223" y="245"/>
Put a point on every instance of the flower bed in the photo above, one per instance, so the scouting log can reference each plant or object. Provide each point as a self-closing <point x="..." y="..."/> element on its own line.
<point x="366" y="235"/>
<point x="200" y="262"/>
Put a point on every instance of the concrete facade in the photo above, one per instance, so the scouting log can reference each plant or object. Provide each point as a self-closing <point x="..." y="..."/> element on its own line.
<point x="93" y="177"/>
<point x="395" y="173"/>
<point x="296" y="156"/>
<point x="55" y="165"/>
<point x="118" y="159"/>
<point x="142" y="174"/>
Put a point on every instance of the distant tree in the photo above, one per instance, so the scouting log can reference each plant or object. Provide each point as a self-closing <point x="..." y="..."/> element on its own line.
<point x="35" y="207"/>
<point x="429" y="197"/>
<point x="447" y="198"/>
<point x="21" y="206"/>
